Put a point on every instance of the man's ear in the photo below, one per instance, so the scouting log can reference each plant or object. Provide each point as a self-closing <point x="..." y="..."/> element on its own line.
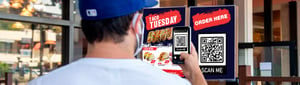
<point x="138" y="22"/>
<point x="131" y="29"/>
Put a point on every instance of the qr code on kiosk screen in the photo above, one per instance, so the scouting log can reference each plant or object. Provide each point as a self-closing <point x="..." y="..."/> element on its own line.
<point x="212" y="50"/>
<point x="181" y="40"/>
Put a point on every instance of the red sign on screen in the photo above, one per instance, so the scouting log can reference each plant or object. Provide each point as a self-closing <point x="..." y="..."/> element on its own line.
<point x="150" y="48"/>
<point x="214" y="18"/>
<point x="163" y="19"/>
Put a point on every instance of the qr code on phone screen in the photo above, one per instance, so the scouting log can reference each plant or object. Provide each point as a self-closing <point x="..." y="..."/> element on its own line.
<point x="181" y="40"/>
<point x="212" y="49"/>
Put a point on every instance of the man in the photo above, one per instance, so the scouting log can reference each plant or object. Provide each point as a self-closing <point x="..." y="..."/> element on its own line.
<point x="113" y="29"/>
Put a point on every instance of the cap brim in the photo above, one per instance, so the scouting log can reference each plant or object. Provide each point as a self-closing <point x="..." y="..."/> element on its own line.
<point x="150" y="3"/>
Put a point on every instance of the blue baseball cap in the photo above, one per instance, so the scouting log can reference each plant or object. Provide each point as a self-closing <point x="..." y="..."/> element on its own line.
<point x="103" y="9"/>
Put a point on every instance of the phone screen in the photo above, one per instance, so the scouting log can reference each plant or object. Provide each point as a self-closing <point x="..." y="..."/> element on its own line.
<point x="180" y="43"/>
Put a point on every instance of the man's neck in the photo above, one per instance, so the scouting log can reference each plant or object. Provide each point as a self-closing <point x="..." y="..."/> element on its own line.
<point x="109" y="50"/>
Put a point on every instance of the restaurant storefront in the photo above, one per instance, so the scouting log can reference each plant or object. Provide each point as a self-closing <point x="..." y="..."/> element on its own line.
<point x="38" y="36"/>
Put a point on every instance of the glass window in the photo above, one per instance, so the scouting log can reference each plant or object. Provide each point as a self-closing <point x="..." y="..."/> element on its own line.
<point x="275" y="63"/>
<point x="35" y="8"/>
<point x="76" y="13"/>
<point x="22" y="52"/>
<point x="5" y="47"/>
<point x="80" y="44"/>
<point x="169" y="3"/>
<point x="209" y="2"/>
<point x="258" y="27"/>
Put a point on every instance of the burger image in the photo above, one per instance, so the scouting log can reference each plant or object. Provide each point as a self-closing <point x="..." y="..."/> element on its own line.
<point x="163" y="56"/>
<point x="148" y="56"/>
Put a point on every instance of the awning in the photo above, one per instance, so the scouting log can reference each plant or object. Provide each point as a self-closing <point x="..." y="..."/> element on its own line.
<point x="50" y="42"/>
<point x="38" y="45"/>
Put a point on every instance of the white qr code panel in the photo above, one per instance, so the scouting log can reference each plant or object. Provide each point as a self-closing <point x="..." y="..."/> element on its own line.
<point x="181" y="40"/>
<point x="212" y="49"/>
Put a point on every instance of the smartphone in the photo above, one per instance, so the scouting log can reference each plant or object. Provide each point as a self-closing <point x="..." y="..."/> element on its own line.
<point x="181" y="43"/>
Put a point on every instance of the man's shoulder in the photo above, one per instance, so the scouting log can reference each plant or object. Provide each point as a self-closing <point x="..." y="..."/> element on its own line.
<point x="153" y="76"/>
<point x="61" y="74"/>
<point x="83" y="72"/>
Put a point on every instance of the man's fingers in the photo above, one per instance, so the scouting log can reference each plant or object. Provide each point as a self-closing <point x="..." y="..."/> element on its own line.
<point x="193" y="50"/>
<point x="181" y="65"/>
<point x="183" y="56"/>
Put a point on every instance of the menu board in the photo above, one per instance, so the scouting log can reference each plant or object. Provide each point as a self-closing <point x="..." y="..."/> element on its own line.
<point x="214" y="36"/>
<point x="158" y="37"/>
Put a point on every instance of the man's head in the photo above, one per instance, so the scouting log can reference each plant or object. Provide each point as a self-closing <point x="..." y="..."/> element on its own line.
<point x="113" y="20"/>
<point x="112" y="29"/>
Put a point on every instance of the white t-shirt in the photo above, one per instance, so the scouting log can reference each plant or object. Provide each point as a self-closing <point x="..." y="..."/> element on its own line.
<point x="99" y="71"/>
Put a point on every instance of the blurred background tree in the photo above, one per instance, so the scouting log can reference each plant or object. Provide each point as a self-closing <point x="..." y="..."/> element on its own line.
<point x="3" y="68"/>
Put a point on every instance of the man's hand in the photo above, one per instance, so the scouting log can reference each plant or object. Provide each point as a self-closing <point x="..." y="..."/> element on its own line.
<point x="191" y="68"/>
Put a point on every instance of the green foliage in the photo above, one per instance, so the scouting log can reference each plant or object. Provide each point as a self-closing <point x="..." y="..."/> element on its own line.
<point x="7" y="25"/>
<point x="3" y="68"/>
<point x="3" y="10"/>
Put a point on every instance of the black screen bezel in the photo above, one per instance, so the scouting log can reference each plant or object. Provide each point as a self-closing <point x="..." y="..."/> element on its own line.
<point x="183" y="28"/>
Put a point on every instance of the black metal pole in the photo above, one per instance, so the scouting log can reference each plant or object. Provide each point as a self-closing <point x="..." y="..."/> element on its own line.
<point x="65" y="32"/>
<point x="191" y="3"/>
<point x="268" y="25"/>
<point x="42" y="37"/>
<point x="268" y="32"/>
<point x="293" y="61"/>
<point x="31" y="47"/>
<point x="268" y="18"/>
<point x="293" y="38"/>
<point x="229" y="2"/>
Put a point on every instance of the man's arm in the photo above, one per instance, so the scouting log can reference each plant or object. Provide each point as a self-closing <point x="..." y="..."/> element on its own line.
<point x="197" y="79"/>
<point x="191" y="68"/>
